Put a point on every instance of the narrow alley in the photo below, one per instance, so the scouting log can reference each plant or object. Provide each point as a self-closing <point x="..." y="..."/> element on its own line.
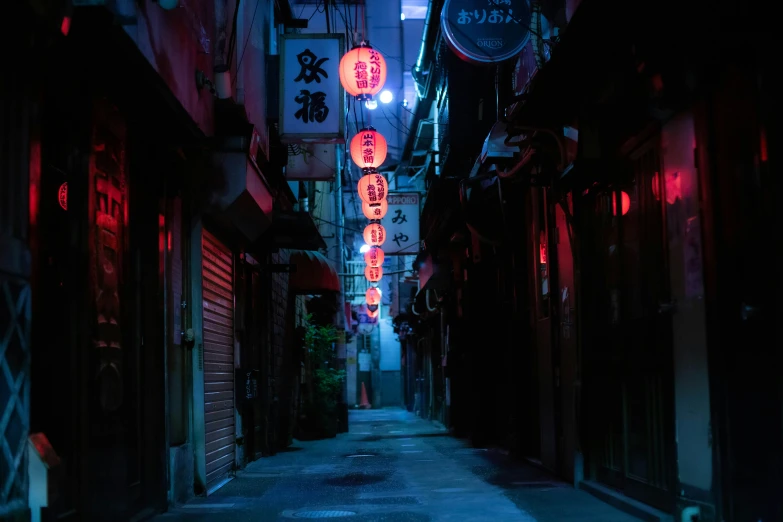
<point x="394" y="466"/>
<point x="415" y="260"/>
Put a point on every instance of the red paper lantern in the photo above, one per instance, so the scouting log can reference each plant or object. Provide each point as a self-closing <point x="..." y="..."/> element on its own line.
<point x="373" y="314"/>
<point x="625" y="203"/>
<point x="374" y="257"/>
<point x="373" y="188"/>
<point x="656" y="186"/>
<point x="374" y="234"/>
<point x="373" y="297"/>
<point x="368" y="149"/>
<point x="375" y="211"/>
<point x="362" y="72"/>
<point x="373" y="273"/>
<point x="62" y="196"/>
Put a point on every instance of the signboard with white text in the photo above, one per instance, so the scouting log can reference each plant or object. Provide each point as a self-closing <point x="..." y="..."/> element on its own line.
<point x="402" y="224"/>
<point x="486" y="31"/>
<point x="312" y="100"/>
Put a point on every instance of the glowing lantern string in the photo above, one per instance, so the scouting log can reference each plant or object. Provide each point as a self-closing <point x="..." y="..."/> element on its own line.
<point x="368" y="149"/>
<point x="375" y="211"/>
<point x="374" y="234"/>
<point x="625" y="203"/>
<point x="373" y="273"/>
<point x="374" y="257"/>
<point x="373" y="188"/>
<point x="362" y="72"/>
<point x="62" y="196"/>
<point x="373" y="297"/>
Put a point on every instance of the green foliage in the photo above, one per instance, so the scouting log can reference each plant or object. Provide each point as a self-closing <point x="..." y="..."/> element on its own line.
<point x="319" y="340"/>
<point x="326" y="381"/>
<point x="328" y="384"/>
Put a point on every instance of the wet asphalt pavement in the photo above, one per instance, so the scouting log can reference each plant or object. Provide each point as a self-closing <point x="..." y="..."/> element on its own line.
<point x="392" y="467"/>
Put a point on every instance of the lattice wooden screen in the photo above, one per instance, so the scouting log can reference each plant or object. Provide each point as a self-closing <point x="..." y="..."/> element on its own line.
<point x="14" y="388"/>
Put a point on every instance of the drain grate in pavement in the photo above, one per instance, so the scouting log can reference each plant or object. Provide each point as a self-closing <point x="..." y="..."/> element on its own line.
<point x="323" y="514"/>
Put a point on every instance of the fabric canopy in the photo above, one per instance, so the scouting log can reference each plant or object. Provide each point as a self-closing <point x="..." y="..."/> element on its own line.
<point x="313" y="274"/>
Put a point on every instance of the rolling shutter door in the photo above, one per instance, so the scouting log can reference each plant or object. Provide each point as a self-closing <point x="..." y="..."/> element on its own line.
<point x="218" y="307"/>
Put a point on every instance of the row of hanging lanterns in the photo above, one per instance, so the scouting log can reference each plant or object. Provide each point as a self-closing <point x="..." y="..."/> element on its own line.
<point x="363" y="75"/>
<point x="368" y="151"/>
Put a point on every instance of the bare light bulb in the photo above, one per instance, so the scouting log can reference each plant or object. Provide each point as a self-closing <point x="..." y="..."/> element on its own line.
<point x="386" y="97"/>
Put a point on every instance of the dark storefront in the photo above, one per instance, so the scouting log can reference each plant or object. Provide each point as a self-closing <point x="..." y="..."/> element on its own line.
<point x="100" y="213"/>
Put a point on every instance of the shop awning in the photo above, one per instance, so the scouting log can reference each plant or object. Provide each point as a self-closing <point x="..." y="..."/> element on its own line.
<point x="589" y="47"/>
<point x="295" y="230"/>
<point x="313" y="273"/>
<point x="242" y="192"/>
<point x="440" y="216"/>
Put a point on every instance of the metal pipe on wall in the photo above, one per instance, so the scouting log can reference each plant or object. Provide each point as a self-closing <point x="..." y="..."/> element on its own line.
<point x="339" y="232"/>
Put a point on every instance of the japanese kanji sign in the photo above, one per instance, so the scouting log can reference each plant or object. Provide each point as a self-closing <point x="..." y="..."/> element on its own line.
<point x="402" y="224"/>
<point x="486" y="31"/>
<point x="312" y="102"/>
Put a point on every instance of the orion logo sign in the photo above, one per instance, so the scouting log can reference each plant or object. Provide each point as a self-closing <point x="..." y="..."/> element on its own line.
<point x="486" y="31"/>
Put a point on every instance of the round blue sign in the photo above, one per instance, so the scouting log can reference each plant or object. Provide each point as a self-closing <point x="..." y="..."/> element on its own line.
<point x="486" y="31"/>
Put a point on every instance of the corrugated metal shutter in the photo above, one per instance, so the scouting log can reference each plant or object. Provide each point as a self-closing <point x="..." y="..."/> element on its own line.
<point x="218" y="306"/>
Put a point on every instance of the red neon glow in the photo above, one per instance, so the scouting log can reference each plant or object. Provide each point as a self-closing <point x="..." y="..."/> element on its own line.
<point x="625" y="204"/>
<point x="673" y="182"/>
<point x="763" y="145"/>
<point x="62" y="196"/>
<point x="161" y="233"/>
<point x="656" y="186"/>
<point x="35" y="180"/>
<point x="65" y="26"/>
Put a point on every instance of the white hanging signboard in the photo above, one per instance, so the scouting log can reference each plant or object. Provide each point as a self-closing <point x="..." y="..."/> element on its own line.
<point x="312" y="100"/>
<point x="402" y="224"/>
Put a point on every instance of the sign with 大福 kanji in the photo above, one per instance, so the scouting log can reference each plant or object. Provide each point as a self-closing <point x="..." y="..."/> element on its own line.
<point x="312" y="101"/>
<point x="402" y="224"/>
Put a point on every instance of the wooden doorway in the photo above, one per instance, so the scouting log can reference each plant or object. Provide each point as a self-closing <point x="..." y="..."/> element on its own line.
<point x="628" y="335"/>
